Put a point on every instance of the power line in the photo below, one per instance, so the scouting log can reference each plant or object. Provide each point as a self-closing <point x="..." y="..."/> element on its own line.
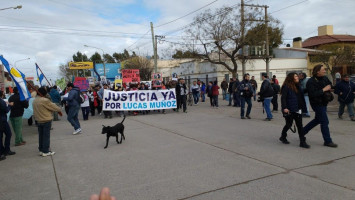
<point x="289" y="6"/>
<point x="186" y="14"/>
<point x="67" y="29"/>
<point x="139" y="39"/>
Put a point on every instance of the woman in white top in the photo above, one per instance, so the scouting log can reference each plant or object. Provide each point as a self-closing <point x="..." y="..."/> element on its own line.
<point x="85" y="107"/>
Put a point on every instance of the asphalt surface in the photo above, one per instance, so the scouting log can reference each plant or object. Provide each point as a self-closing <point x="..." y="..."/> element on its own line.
<point x="206" y="153"/>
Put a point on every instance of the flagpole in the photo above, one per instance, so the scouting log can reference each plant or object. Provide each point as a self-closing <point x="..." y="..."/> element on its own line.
<point x="44" y="75"/>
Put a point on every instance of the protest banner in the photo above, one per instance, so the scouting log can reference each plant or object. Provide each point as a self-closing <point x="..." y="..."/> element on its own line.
<point x="81" y="83"/>
<point x="130" y="76"/>
<point x="139" y="100"/>
<point x="118" y="83"/>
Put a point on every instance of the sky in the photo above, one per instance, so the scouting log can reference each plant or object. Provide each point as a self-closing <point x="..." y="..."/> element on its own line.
<point x="49" y="32"/>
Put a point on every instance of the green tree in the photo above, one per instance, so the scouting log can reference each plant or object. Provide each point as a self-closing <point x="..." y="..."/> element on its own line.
<point x="123" y="56"/>
<point x="179" y="54"/>
<point x="334" y="55"/>
<point x="109" y="59"/>
<point x="96" y="58"/>
<point x="256" y="35"/>
<point x="79" y="57"/>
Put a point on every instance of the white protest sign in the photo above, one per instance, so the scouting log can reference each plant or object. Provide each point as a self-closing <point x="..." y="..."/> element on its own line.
<point x="139" y="100"/>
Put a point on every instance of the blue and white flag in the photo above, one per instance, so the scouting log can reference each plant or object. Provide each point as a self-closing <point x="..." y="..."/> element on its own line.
<point x="19" y="79"/>
<point x="40" y="76"/>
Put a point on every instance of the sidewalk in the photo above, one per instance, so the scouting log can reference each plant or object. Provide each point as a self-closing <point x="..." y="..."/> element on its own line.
<point x="206" y="153"/>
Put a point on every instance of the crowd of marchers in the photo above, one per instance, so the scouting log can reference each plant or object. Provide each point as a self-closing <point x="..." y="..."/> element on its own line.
<point x="299" y="94"/>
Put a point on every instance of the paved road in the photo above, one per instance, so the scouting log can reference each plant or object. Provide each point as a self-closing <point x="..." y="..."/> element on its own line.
<point x="204" y="154"/>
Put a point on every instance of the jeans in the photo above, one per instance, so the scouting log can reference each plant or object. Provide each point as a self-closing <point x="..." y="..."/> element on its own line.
<point x="55" y="114"/>
<point x="183" y="102"/>
<point x="231" y="96"/>
<point x="215" y="100"/>
<point x="236" y="98"/>
<point x="350" y="108"/>
<point x="73" y="116"/>
<point x="242" y="105"/>
<point x="306" y="99"/>
<point x="203" y="96"/>
<point x="16" y="123"/>
<point x="85" y="111"/>
<point x="4" y="148"/>
<point x="275" y="105"/>
<point x="254" y="94"/>
<point x="44" y="136"/>
<point x="224" y="92"/>
<point x="322" y="119"/>
<point x="196" y="97"/>
<point x="289" y="120"/>
<point x="267" y="102"/>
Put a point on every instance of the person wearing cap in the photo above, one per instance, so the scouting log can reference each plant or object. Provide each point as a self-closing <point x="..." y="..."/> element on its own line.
<point x="108" y="114"/>
<point x="43" y="110"/>
<point x="17" y="110"/>
<point x="73" y="101"/>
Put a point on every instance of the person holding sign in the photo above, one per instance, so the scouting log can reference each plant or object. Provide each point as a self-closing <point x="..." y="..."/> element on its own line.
<point x="181" y="92"/>
<point x="108" y="114"/>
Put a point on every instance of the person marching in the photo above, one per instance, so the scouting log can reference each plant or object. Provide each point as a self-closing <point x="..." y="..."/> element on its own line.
<point x="293" y="105"/>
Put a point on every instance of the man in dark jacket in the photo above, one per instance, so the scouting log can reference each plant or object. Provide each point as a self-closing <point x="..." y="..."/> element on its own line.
<point x="274" y="101"/>
<point x="224" y="86"/>
<point x="16" y="114"/>
<point x="266" y="93"/>
<point x="319" y="91"/>
<point x="230" y="90"/>
<point x="73" y="102"/>
<point x="4" y="129"/>
<point x="345" y="90"/>
<point x="236" y="93"/>
<point x="181" y="92"/>
<point x="246" y="92"/>
<point x="55" y="97"/>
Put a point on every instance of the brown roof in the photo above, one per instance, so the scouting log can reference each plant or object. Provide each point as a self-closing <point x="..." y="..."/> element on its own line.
<point x="326" y="39"/>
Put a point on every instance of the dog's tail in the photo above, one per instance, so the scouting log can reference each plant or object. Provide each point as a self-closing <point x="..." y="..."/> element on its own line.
<point x="124" y="117"/>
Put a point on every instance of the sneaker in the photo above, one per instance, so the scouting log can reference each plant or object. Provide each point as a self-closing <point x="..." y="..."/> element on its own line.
<point x="50" y="153"/>
<point x="248" y="117"/>
<point x="40" y="153"/>
<point x="2" y="157"/>
<point x="242" y="117"/>
<point x="284" y="140"/>
<point x="77" y="131"/>
<point x="331" y="144"/>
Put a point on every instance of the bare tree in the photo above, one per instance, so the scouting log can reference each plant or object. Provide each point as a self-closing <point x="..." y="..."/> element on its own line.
<point x="65" y="72"/>
<point x="144" y="65"/>
<point x="220" y="35"/>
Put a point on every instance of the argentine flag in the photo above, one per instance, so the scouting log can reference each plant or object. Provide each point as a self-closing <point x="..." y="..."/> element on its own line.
<point x="40" y="76"/>
<point x="19" y="79"/>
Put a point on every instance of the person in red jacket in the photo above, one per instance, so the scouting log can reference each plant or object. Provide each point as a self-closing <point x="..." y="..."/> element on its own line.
<point x="215" y="93"/>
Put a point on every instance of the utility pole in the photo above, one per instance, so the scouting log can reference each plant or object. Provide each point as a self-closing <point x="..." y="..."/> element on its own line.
<point x="266" y="20"/>
<point x="267" y="59"/>
<point x="154" y="48"/>
<point x="243" y="37"/>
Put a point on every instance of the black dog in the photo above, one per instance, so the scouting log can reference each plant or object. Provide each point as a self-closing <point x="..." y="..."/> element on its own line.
<point x="113" y="131"/>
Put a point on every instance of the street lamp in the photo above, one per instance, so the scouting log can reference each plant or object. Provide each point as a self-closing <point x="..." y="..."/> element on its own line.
<point x="21" y="60"/>
<point x="15" y="7"/>
<point x="103" y="56"/>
